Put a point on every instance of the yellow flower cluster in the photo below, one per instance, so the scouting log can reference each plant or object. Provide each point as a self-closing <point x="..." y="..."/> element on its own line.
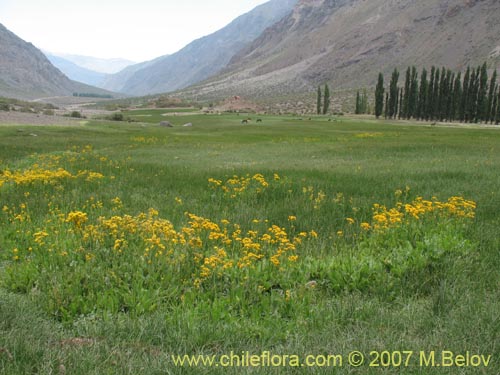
<point x="237" y="185"/>
<point x="35" y="174"/>
<point x="384" y="218"/>
<point x="368" y="135"/>
<point x="52" y="168"/>
<point x="208" y="249"/>
<point x="141" y="139"/>
<point x="78" y="218"/>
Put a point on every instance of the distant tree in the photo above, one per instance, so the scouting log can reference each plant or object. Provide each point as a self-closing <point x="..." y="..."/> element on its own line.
<point x="457" y="97"/>
<point x="386" y="110"/>
<point x="326" y="102"/>
<point x="358" y="104"/>
<point x="497" y="117"/>
<point x="379" y="96"/>
<point x="490" y="110"/>
<point x="318" y="102"/>
<point x="495" y="105"/>
<point x="406" y="95"/>
<point x="364" y="102"/>
<point x="482" y="100"/>
<point x="449" y="104"/>
<point x="441" y="96"/>
<point x="422" y="95"/>
<point x="435" y="97"/>
<point x="465" y="96"/>
<point x="400" y="110"/>
<point x="430" y="95"/>
<point x="470" y="115"/>
<point x="413" y="96"/>
<point x="393" y="94"/>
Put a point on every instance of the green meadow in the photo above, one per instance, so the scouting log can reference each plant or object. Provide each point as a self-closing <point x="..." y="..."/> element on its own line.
<point x="124" y="245"/>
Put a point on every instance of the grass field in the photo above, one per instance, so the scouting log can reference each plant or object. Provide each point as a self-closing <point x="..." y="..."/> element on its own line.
<point x="124" y="244"/>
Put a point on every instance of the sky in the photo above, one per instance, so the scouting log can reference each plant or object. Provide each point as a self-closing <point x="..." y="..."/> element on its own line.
<point x="137" y="30"/>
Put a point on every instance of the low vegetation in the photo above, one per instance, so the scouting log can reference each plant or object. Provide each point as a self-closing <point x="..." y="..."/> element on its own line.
<point x="121" y="244"/>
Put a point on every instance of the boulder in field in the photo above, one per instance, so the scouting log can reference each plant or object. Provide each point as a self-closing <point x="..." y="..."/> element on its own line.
<point x="166" y="124"/>
<point x="188" y="125"/>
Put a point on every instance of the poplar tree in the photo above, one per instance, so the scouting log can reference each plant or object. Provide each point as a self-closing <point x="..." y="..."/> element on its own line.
<point x="397" y="104"/>
<point x="441" y="96"/>
<point x="482" y="102"/>
<point x="364" y="102"/>
<point x="393" y="94"/>
<point x="472" y="97"/>
<point x="422" y="96"/>
<point x="451" y="105"/>
<point x="435" y="97"/>
<point x="457" y="97"/>
<point x="465" y="96"/>
<point x="448" y="96"/>
<point x="386" y="111"/>
<point x="406" y="95"/>
<point x="430" y="95"/>
<point x="413" y="97"/>
<point x="357" y="110"/>
<point x="497" y="117"/>
<point x="495" y="105"/>
<point x="400" y="111"/>
<point x="379" y="95"/>
<point x="326" y="103"/>
<point x="490" y="113"/>
<point x="318" y="102"/>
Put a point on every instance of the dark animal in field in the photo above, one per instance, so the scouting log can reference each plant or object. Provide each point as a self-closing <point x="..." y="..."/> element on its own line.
<point x="259" y="120"/>
<point x="244" y="121"/>
<point x="166" y="124"/>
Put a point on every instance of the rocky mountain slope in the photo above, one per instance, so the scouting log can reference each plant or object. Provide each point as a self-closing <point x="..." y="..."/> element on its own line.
<point x="26" y="73"/>
<point x="347" y="42"/>
<point x="203" y="57"/>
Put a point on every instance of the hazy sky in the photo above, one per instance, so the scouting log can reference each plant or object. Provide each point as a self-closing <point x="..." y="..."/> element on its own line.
<point x="138" y="30"/>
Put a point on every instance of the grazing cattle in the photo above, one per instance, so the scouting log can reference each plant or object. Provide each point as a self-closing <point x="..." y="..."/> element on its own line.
<point x="244" y="121"/>
<point x="259" y="120"/>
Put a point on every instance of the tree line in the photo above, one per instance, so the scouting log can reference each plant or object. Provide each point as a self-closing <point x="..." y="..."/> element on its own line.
<point x="440" y="95"/>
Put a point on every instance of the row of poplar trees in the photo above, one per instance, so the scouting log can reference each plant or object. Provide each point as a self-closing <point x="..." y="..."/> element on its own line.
<point x="441" y="95"/>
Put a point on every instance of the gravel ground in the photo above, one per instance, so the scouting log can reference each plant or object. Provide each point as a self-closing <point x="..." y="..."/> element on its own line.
<point x="19" y="118"/>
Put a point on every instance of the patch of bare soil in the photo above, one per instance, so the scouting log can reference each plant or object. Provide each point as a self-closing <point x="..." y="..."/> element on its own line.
<point x="237" y="104"/>
<point x="20" y="118"/>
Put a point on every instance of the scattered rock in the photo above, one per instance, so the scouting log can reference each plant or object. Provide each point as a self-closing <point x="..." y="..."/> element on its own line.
<point x="166" y="124"/>
<point x="188" y="125"/>
<point x="33" y="135"/>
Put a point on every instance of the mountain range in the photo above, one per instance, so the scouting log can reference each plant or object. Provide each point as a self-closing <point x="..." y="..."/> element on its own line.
<point x="286" y="47"/>
<point x="347" y="42"/>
